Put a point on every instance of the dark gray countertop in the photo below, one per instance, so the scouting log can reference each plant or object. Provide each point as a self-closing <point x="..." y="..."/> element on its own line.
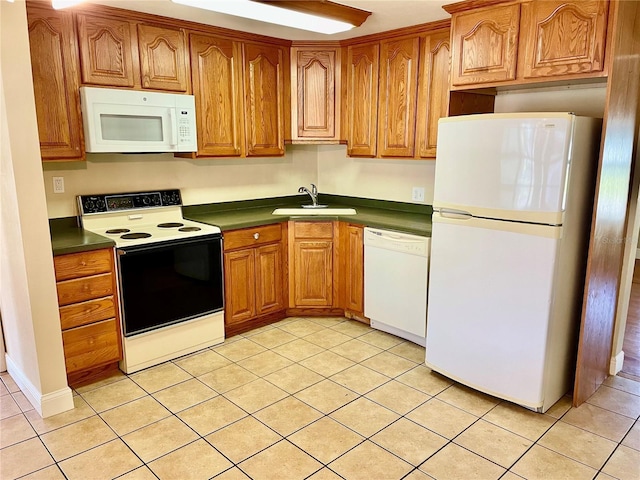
<point x="68" y="237"/>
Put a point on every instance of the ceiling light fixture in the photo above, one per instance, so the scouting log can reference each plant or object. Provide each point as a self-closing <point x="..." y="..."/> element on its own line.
<point x="321" y="16"/>
<point x="59" y="4"/>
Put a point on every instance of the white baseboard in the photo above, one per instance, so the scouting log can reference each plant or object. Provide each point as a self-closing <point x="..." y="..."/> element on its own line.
<point x="616" y="363"/>
<point x="48" y="404"/>
<point x="637" y="253"/>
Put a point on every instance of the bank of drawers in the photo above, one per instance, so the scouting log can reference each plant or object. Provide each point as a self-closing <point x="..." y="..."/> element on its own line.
<point x="88" y="309"/>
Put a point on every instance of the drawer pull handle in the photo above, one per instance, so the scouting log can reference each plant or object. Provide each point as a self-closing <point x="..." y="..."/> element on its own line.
<point x="256" y="236"/>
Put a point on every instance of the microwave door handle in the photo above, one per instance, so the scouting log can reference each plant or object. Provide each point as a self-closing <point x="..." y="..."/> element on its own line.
<point x="173" y="127"/>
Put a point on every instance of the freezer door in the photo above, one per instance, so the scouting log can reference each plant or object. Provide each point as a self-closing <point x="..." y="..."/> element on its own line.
<point x="490" y="297"/>
<point x="504" y="166"/>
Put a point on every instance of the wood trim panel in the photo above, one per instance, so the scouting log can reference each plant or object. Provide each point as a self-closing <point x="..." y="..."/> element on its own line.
<point x="606" y="248"/>
<point x="414" y="30"/>
<point x="82" y="264"/>
<point x="324" y="8"/>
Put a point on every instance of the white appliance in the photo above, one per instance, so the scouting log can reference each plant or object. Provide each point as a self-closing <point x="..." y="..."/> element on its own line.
<point x="127" y="121"/>
<point x="512" y="209"/>
<point x="396" y="269"/>
<point x="170" y="274"/>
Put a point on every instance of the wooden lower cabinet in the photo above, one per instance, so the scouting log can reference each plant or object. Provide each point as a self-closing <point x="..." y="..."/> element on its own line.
<point x="352" y="253"/>
<point x="254" y="277"/>
<point x="89" y="315"/>
<point x="312" y="266"/>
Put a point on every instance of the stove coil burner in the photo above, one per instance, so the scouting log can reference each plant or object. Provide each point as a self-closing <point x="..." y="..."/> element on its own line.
<point x="170" y="225"/>
<point x="189" y="229"/>
<point x="118" y="230"/>
<point x="134" y="236"/>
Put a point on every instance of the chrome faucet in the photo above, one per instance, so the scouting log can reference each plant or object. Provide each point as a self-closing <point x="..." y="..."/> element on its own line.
<point x="313" y="193"/>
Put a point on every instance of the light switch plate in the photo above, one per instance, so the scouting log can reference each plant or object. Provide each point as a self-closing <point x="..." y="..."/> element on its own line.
<point x="417" y="195"/>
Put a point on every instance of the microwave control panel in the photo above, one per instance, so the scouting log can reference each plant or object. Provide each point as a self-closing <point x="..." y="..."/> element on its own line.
<point x="185" y="135"/>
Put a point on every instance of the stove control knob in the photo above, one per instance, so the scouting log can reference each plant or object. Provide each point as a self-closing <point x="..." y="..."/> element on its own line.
<point x="146" y="200"/>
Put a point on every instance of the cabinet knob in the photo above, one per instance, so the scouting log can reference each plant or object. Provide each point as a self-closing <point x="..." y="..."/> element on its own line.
<point x="256" y="236"/>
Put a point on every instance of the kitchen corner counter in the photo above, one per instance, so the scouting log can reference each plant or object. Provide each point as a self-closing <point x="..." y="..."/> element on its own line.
<point x="68" y="237"/>
<point x="402" y="217"/>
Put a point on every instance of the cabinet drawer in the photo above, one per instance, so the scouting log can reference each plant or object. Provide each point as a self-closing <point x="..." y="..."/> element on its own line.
<point x="91" y="345"/>
<point x="78" y="314"/>
<point x="313" y="229"/>
<point x="249" y="237"/>
<point x="87" y="288"/>
<point x="83" y="264"/>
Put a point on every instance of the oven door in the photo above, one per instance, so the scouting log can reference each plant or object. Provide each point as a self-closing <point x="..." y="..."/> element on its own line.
<point x="170" y="282"/>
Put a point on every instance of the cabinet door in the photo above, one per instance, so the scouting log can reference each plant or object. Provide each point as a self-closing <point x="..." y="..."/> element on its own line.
<point x="217" y="86"/>
<point x="433" y="91"/>
<point x="92" y="345"/>
<point x="264" y="99"/>
<point x="163" y="58"/>
<point x="314" y="97"/>
<point x="563" y="37"/>
<point x="397" y="97"/>
<point x="269" y="280"/>
<point x="354" y="294"/>
<point x="105" y="51"/>
<point x="362" y="99"/>
<point x="239" y="285"/>
<point x="313" y="273"/>
<point x="54" y="65"/>
<point x="485" y="44"/>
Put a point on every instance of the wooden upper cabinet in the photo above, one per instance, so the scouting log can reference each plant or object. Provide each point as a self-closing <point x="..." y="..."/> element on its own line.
<point x="54" y="67"/>
<point x="362" y="99"/>
<point x="105" y="51"/>
<point x="397" y="97"/>
<point x="315" y="99"/>
<point x="217" y="86"/>
<point x="264" y="87"/>
<point x="485" y="45"/>
<point x="164" y="61"/>
<point x="560" y="37"/>
<point x="433" y="91"/>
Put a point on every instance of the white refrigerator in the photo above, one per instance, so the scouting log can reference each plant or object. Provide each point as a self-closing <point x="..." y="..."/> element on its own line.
<point x="512" y="211"/>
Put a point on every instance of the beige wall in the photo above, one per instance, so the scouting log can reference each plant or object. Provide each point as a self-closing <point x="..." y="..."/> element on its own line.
<point x="28" y="296"/>
<point x="586" y="100"/>
<point x="201" y="181"/>
<point x="383" y="179"/>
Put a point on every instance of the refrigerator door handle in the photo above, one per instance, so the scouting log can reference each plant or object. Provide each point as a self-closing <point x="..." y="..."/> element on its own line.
<point x="456" y="214"/>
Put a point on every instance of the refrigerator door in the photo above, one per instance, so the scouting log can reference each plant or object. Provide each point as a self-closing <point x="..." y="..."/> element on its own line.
<point x="504" y="166"/>
<point x="489" y="304"/>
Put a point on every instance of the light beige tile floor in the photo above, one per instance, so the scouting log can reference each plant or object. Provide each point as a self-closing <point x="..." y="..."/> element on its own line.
<point x="314" y="398"/>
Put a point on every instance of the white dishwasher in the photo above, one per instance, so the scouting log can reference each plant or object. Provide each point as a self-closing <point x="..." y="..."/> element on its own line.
<point x="396" y="267"/>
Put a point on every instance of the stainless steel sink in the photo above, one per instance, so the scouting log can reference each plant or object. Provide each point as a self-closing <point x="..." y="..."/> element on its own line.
<point x="314" y="211"/>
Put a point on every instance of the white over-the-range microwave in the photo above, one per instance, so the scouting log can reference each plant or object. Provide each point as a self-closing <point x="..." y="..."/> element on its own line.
<point x="129" y="121"/>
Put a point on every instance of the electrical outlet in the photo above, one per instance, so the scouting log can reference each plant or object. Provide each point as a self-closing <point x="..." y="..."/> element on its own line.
<point x="417" y="194"/>
<point x="58" y="184"/>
